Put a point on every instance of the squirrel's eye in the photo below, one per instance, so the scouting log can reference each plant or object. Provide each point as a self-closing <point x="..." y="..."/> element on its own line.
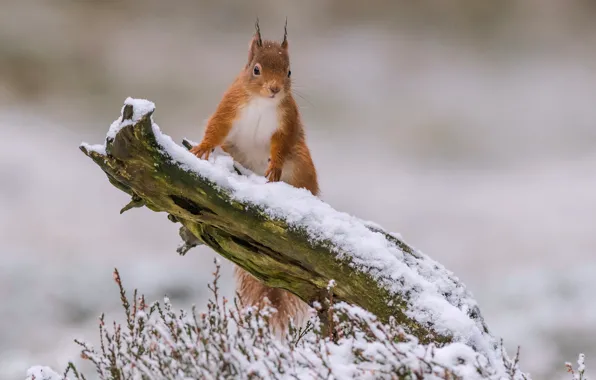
<point x="289" y="73"/>
<point x="256" y="70"/>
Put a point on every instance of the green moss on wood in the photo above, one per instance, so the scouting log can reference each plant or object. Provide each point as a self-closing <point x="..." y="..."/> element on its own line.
<point x="278" y="255"/>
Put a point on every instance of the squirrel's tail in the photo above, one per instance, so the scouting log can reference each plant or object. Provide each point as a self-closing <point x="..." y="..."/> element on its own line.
<point x="252" y="293"/>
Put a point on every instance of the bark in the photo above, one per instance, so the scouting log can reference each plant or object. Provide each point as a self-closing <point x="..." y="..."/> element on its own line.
<point x="278" y="255"/>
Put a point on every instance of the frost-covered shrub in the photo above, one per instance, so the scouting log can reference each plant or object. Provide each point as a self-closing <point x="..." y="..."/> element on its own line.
<point x="580" y="374"/>
<point x="231" y="342"/>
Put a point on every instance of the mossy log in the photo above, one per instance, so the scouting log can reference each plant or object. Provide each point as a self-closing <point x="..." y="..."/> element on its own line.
<point x="268" y="248"/>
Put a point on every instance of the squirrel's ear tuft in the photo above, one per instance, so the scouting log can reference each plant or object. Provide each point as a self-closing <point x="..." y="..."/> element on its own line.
<point x="258" y="40"/>
<point x="284" y="43"/>
<point x="255" y="43"/>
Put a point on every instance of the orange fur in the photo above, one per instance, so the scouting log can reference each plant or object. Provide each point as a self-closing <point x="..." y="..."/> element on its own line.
<point x="289" y="157"/>
<point x="253" y="292"/>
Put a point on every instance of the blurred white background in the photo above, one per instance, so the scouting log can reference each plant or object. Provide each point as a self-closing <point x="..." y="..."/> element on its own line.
<point x="469" y="127"/>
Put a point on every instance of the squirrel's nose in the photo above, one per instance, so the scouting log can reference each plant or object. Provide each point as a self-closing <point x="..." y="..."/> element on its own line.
<point x="274" y="89"/>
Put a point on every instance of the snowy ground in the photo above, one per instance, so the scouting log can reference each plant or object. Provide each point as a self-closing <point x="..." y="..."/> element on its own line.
<point x="61" y="236"/>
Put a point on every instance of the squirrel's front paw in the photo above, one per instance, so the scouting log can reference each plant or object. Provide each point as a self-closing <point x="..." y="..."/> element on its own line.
<point x="202" y="151"/>
<point x="273" y="173"/>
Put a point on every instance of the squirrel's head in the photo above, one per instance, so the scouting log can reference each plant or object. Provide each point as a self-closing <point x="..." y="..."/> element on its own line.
<point x="267" y="72"/>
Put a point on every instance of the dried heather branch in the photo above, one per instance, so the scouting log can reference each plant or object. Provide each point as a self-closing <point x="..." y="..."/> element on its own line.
<point x="237" y="343"/>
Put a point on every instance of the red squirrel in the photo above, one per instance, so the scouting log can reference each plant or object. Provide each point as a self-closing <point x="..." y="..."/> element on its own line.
<point x="258" y="123"/>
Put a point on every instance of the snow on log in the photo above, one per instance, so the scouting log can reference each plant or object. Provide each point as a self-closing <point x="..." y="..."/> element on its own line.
<point x="286" y="237"/>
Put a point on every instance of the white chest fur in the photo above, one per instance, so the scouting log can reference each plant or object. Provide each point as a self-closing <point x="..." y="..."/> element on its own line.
<point x="251" y="133"/>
